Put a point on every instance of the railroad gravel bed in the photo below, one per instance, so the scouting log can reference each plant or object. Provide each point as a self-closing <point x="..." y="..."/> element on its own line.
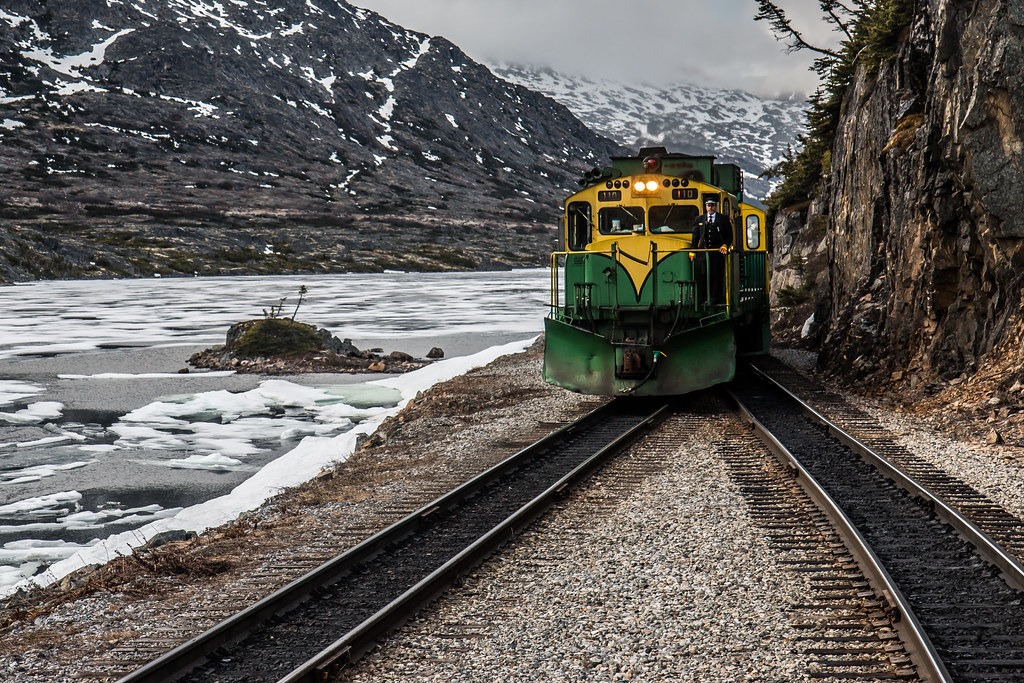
<point x="671" y="581"/>
<point x="996" y="470"/>
<point x="671" y="538"/>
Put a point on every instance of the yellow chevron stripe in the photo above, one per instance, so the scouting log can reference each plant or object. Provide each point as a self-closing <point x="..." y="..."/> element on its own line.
<point x="638" y="268"/>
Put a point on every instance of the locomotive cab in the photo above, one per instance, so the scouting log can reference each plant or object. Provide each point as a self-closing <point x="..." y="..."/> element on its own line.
<point x="636" y="306"/>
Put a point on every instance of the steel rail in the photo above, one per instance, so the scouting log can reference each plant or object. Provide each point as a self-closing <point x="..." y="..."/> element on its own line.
<point x="917" y="643"/>
<point x="194" y="652"/>
<point x="331" y="660"/>
<point x="1012" y="570"/>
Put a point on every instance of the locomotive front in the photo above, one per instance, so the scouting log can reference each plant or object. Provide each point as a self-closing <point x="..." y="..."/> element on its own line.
<point x="636" y="306"/>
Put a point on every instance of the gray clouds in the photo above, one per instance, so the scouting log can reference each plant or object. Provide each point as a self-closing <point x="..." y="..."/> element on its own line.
<point x="713" y="43"/>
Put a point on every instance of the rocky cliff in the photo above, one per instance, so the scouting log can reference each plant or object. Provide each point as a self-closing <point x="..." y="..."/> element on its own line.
<point x="918" y="230"/>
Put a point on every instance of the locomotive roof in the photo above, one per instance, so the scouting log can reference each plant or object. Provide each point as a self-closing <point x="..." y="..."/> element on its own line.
<point x="662" y="153"/>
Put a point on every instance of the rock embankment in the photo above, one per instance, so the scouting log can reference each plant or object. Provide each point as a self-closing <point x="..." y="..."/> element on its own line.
<point x="277" y="346"/>
<point x="909" y="257"/>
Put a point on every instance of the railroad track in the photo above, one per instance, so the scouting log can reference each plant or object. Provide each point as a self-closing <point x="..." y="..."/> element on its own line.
<point x="312" y="628"/>
<point x="842" y="627"/>
<point x="953" y="593"/>
<point x="837" y="628"/>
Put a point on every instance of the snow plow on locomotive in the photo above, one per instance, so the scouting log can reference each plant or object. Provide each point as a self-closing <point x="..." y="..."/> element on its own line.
<point x="637" y="305"/>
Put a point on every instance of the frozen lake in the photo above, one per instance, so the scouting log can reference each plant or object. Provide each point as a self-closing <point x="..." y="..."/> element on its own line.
<point x="103" y="443"/>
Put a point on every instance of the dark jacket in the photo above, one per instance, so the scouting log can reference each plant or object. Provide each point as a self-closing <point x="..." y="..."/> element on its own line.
<point x="711" y="235"/>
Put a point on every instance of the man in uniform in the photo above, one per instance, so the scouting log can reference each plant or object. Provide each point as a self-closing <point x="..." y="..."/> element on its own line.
<point x="711" y="231"/>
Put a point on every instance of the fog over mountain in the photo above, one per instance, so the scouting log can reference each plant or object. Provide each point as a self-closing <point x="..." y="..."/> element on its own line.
<point x="733" y="125"/>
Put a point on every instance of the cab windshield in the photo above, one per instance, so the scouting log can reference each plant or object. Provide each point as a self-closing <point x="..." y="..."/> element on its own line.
<point x="667" y="218"/>
<point x="619" y="220"/>
<point x="673" y="218"/>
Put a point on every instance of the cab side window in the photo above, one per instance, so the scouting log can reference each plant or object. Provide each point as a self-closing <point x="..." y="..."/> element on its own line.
<point x="579" y="225"/>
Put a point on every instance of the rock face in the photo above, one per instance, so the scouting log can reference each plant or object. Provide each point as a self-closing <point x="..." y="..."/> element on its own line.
<point x="924" y="234"/>
<point x="217" y="138"/>
<point x="798" y="272"/>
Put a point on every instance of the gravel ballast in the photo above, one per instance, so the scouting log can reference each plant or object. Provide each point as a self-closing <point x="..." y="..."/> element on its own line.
<point x="669" y="581"/>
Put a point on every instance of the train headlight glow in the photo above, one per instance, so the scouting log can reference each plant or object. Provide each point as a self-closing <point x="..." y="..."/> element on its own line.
<point x="646" y="186"/>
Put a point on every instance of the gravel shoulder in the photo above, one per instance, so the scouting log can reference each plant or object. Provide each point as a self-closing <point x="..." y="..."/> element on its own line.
<point x="671" y="540"/>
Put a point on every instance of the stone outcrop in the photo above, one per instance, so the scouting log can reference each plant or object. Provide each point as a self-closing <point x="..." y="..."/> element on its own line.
<point x="799" y="249"/>
<point x="925" y="237"/>
<point x="282" y="346"/>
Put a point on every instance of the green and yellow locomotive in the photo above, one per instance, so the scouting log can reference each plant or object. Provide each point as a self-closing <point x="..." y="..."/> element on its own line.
<point x="636" y="307"/>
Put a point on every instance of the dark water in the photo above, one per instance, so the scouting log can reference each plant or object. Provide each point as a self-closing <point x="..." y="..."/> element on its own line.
<point x="78" y="477"/>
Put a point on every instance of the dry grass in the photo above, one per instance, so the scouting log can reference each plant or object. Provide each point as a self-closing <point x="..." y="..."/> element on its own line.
<point x="905" y="132"/>
<point x="137" y="574"/>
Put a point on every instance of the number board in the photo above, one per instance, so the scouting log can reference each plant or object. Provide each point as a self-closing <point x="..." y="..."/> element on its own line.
<point x="684" y="193"/>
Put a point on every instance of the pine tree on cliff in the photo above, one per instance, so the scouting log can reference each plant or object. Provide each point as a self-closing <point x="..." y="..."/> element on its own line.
<point x="869" y="33"/>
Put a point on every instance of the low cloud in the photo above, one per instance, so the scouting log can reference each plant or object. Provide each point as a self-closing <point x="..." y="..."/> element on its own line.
<point x="657" y="42"/>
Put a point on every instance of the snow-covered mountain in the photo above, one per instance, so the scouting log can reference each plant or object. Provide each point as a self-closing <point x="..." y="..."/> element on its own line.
<point x="187" y="136"/>
<point x="311" y="125"/>
<point x="735" y="126"/>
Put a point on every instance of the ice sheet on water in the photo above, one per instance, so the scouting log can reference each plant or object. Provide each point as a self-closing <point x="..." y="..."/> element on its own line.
<point x="36" y="472"/>
<point x="302" y="463"/>
<point x="313" y="426"/>
<point x="39" y="505"/>
<point x="213" y="461"/>
<point x="366" y="395"/>
<point x="230" y="425"/>
<point x="150" y="375"/>
<point x="18" y="552"/>
<point x="47" y="440"/>
<point x="13" y="390"/>
<point x="101" y="522"/>
<point x="196" y="311"/>
<point x="34" y="413"/>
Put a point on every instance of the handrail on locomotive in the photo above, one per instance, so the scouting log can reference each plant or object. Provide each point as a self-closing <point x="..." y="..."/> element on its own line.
<point x="746" y="294"/>
<point x="644" y="312"/>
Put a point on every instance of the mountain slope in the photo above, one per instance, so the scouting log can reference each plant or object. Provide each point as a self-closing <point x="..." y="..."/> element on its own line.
<point x="733" y="125"/>
<point x="185" y="136"/>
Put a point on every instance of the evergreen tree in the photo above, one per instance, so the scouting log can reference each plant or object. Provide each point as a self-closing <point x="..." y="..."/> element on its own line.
<point x="869" y="31"/>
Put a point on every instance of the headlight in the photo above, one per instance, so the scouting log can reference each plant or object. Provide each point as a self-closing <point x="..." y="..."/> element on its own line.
<point x="753" y="231"/>
<point x="646" y="186"/>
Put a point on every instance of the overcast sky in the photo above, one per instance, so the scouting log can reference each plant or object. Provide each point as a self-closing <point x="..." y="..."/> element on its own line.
<point x="703" y="42"/>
